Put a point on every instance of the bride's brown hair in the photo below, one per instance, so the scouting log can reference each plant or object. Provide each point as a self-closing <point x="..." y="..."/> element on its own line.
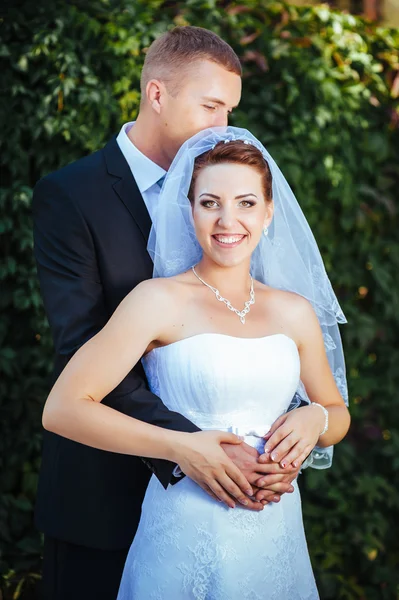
<point x="234" y="152"/>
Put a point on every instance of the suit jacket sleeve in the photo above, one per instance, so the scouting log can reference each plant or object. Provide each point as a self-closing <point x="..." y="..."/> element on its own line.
<point x="74" y="303"/>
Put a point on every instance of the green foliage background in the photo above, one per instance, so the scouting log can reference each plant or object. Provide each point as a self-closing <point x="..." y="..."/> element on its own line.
<point x="321" y="91"/>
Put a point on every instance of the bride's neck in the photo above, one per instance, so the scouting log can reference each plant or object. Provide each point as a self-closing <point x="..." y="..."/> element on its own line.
<point x="225" y="279"/>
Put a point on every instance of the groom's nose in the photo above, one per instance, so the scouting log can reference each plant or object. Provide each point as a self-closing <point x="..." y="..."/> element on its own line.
<point x="221" y="119"/>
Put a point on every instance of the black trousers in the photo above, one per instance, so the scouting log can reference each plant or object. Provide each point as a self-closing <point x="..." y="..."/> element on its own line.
<point x="72" y="572"/>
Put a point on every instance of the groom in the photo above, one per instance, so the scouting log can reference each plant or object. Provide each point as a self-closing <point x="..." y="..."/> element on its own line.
<point x="91" y="224"/>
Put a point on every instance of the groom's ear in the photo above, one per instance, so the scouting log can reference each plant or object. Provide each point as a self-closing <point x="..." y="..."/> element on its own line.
<point x="154" y="90"/>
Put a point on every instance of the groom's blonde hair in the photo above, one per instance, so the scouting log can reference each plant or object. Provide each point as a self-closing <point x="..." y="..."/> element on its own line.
<point x="171" y="56"/>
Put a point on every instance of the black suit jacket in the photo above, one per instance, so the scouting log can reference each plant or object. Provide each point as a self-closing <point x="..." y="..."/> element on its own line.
<point x="90" y="236"/>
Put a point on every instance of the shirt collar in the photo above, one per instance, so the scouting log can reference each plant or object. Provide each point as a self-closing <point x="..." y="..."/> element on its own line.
<point x="144" y="170"/>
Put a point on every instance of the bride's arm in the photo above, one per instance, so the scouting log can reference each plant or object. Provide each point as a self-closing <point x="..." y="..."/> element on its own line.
<point x="74" y="410"/>
<point x="294" y="435"/>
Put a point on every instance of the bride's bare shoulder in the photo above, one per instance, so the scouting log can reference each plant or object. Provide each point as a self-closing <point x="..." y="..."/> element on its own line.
<point x="159" y="292"/>
<point x="289" y="302"/>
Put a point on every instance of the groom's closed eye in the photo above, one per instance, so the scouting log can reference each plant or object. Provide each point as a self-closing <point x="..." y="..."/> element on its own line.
<point x="214" y="103"/>
<point x="213" y="108"/>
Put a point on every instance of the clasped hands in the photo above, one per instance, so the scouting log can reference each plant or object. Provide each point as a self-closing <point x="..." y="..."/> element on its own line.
<point x="230" y="470"/>
<point x="268" y="479"/>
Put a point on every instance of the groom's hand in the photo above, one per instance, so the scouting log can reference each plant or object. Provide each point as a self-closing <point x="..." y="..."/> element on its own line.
<point x="246" y="459"/>
<point x="278" y="481"/>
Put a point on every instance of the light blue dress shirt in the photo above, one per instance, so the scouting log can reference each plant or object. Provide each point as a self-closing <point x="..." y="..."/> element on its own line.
<point x="144" y="170"/>
<point x="147" y="174"/>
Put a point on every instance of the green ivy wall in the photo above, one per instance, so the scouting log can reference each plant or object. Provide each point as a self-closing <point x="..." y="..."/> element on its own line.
<point x="321" y="91"/>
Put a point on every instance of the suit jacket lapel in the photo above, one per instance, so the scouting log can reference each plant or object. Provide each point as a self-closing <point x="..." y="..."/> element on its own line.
<point x="126" y="187"/>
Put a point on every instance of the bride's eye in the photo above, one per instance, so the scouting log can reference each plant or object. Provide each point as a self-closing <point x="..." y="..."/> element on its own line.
<point x="209" y="203"/>
<point x="247" y="203"/>
<point x="209" y="107"/>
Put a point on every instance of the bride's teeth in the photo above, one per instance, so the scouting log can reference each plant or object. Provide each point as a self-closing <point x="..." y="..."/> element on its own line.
<point x="228" y="240"/>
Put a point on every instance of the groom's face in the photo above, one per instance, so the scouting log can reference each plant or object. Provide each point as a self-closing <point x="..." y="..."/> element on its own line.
<point x="205" y="97"/>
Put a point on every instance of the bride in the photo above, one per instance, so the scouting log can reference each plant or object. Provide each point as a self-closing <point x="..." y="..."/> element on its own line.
<point x="240" y="315"/>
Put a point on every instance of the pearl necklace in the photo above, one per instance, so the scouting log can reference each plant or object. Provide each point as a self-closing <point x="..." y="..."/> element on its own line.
<point x="240" y="313"/>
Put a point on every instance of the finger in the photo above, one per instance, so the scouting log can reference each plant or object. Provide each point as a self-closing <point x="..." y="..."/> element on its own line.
<point x="283" y="448"/>
<point x="281" y="488"/>
<point x="267" y="495"/>
<point x="298" y="462"/>
<point x="286" y="477"/>
<point x="277" y="488"/>
<point x="279" y="435"/>
<point x="276" y="425"/>
<point x="255" y="489"/>
<point x="232" y="489"/>
<point x="272" y="468"/>
<point x="253" y="504"/>
<point x="220" y="493"/>
<point x="210" y="493"/>
<point x="264" y="458"/>
<point x="222" y="496"/>
<point x="276" y="498"/>
<point x="229" y="438"/>
<point x="264" y="482"/>
<point x="272" y="499"/>
<point x="295" y="452"/>
<point x="238" y="478"/>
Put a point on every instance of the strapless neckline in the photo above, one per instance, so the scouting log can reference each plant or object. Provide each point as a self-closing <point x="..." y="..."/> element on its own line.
<point x="221" y="335"/>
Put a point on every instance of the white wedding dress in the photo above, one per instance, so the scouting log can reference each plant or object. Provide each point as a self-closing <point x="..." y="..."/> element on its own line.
<point x="189" y="546"/>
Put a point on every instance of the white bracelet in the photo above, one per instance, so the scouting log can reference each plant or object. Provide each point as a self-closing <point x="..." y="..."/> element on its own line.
<point x="325" y="411"/>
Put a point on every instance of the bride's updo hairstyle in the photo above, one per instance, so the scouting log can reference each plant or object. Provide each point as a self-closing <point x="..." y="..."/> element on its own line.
<point x="234" y="152"/>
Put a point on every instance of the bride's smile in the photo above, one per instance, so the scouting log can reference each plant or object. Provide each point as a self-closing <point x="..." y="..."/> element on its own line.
<point x="230" y="211"/>
<point x="228" y="240"/>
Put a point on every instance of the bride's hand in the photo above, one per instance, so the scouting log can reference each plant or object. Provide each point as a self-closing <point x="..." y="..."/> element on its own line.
<point x="294" y="435"/>
<point x="201" y="457"/>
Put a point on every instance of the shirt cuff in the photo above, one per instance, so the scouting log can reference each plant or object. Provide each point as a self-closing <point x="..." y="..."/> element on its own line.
<point x="177" y="472"/>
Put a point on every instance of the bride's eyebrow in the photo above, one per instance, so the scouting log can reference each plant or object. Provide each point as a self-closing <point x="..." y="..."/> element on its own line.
<point x="236" y="198"/>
